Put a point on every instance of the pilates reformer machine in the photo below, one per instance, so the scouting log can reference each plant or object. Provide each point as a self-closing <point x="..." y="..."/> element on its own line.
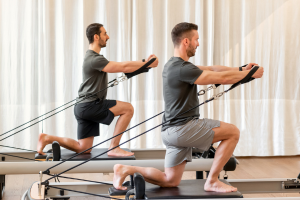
<point x="51" y="164"/>
<point x="137" y="188"/>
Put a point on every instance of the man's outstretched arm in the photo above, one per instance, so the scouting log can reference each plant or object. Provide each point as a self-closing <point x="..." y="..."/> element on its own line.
<point x="128" y="66"/>
<point x="226" y="77"/>
<point x="221" y="68"/>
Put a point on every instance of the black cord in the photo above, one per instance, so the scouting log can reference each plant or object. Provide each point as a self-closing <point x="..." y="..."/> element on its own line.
<point x="98" y="195"/>
<point x="18" y="148"/>
<point x="54" y="110"/>
<point x="18" y="156"/>
<point x="52" y="115"/>
<point x="103" y="142"/>
<point x="126" y="141"/>
<point x="78" y="179"/>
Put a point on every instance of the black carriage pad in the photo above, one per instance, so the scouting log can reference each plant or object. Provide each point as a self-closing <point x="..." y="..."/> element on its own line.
<point x="65" y="154"/>
<point x="187" y="189"/>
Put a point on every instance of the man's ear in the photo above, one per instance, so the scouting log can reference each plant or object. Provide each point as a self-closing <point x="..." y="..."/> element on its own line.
<point x="96" y="37"/>
<point x="185" y="41"/>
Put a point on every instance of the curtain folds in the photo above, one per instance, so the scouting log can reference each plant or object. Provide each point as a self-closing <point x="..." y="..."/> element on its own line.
<point x="43" y="43"/>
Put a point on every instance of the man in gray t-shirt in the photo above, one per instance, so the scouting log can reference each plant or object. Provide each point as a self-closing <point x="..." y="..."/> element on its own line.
<point x="178" y="86"/>
<point x="96" y="109"/>
<point x="181" y="133"/>
<point x="94" y="78"/>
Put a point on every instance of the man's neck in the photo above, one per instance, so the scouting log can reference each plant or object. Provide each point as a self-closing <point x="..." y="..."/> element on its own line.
<point x="95" y="48"/>
<point x="178" y="52"/>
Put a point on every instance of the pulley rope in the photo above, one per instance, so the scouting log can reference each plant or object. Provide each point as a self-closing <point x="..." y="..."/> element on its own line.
<point x="78" y="179"/>
<point x="50" y="116"/>
<point x="115" y="82"/>
<point x="103" y="141"/>
<point x="50" y="112"/>
<point x="18" y="156"/>
<point x="18" y="148"/>
<point x="120" y="144"/>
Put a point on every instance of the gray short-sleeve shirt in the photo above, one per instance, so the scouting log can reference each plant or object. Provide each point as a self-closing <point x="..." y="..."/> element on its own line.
<point x="180" y="92"/>
<point x="94" y="79"/>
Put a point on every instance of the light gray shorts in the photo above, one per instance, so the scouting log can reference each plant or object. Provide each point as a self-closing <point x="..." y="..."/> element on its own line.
<point x="180" y="140"/>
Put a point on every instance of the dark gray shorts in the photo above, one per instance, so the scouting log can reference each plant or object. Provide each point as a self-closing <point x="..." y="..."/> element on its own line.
<point x="90" y="114"/>
<point x="180" y="140"/>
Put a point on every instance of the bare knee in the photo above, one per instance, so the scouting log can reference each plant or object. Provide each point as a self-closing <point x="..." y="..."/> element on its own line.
<point x="129" y="109"/>
<point x="172" y="183"/>
<point x="235" y="132"/>
<point x="82" y="149"/>
<point x="171" y="180"/>
<point x="88" y="151"/>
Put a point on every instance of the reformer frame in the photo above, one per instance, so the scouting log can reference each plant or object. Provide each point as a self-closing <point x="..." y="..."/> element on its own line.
<point x="245" y="186"/>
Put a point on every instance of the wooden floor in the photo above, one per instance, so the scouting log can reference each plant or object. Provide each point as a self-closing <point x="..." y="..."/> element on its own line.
<point x="249" y="168"/>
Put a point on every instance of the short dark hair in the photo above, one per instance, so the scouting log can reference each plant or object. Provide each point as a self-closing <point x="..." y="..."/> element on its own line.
<point x="179" y="31"/>
<point x="91" y="30"/>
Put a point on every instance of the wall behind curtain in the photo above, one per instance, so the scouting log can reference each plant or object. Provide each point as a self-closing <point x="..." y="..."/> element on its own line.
<point x="43" y="43"/>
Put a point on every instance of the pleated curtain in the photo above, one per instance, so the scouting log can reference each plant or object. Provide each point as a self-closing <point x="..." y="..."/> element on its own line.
<point x="43" y="43"/>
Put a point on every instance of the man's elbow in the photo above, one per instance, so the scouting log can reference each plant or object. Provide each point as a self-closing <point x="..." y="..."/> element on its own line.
<point x="225" y="81"/>
<point x="125" y="67"/>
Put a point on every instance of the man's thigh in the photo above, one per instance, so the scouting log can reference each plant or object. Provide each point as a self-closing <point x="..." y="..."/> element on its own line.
<point x="121" y="108"/>
<point x="224" y="132"/>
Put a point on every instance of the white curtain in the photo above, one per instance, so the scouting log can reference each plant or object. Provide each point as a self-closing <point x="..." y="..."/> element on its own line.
<point x="43" y="43"/>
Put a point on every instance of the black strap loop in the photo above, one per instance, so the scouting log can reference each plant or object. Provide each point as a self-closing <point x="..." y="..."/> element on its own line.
<point x="143" y="69"/>
<point x="247" y="78"/>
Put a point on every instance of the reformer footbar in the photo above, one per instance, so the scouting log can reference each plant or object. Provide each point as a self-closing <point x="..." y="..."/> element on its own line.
<point x="246" y="79"/>
<point x="116" y="81"/>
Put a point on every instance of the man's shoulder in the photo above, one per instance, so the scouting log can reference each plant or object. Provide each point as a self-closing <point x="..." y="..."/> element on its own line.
<point x="92" y="55"/>
<point x="178" y="62"/>
<point x="93" y="59"/>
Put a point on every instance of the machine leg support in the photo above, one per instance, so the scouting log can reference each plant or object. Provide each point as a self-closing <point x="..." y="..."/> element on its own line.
<point x="199" y="175"/>
<point x="2" y="185"/>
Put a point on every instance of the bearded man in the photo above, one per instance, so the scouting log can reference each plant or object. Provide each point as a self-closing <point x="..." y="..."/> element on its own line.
<point x="97" y="109"/>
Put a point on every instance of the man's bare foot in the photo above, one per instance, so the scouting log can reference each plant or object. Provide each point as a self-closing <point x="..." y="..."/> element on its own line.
<point x="218" y="186"/>
<point x="42" y="143"/>
<point x="119" y="176"/>
<point x="119" y="152"/>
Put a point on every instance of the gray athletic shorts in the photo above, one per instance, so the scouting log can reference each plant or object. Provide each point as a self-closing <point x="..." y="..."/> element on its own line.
<point x="180" y="140"/>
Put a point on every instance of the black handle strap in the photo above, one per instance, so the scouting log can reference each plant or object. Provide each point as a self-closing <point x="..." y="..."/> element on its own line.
<point x="143" y="69"/>
<point x="247" y="78"/>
